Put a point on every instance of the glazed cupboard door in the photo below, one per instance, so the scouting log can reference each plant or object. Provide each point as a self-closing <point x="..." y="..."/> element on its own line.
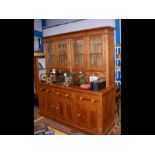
<point x="50" y="54"/>
<point x="62" y="54"/>
<point x="96" y="53"/>
<point x="78" y="53"/>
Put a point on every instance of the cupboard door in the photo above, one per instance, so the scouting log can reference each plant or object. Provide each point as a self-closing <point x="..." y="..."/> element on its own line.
<point x="50" y="54"/>
<point x="59" y="109"/>
<point x="68" y="111"/>
<point x="96" y="53"/>
<point x="42" y="102"/>
<point x="78" y="53"/>
<point x="87" y="111"/>
<point x="65" y="99"/>
<point x="81" y="115"/>
<point x="86" y="116"/>
<point x="62" y="54"/>
<point x="92" y="118"/>
<point x="50" y="105"/>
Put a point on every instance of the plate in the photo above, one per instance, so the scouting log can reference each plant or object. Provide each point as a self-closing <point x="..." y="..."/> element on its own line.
<point x="85" y="86"/>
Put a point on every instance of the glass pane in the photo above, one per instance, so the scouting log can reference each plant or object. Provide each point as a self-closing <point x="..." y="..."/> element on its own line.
<point x="50" y="51"/>
<point x="96" y="52"/>
<point x="78" y="53"/>
<point x="62" y="53"/>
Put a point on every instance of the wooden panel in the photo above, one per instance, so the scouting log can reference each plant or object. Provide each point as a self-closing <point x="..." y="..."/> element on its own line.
<point x="92" y="118"/>
<point x="111" y="60"/>
<point x="42" y="89"/>
<point x="107" y="59"/>
<point x="81" y="115"/>
<point x="86" y="51"/>
<point x="59" y="109"/>
<point x="69" y="111"/>
<point x="62" y="94"/>
<point x="87" y="111"/>
<point x="50" y="105"/>
<point x="109" y="56"/>
<point x="87" y="99"/>
<point x="104" y="52"/>
<point x="70" y="55"/>
<point x="42" y="102"/>
<point x="83" y="33"/>
<point x="108" y="108"/>
<point x="46" y="53"/>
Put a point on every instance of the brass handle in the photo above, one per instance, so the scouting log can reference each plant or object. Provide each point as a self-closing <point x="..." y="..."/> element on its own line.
<point x="78" y="115"/>
<point x="47" y="90"/>
<point x="51" y="106"/>
<point x="66" y="95"/>
<point x="81" y="98"/>
<point x="57" y="93"/>
<point x="92" y="100"/>
<point x="42" y="89"/>
<point x="57" y="107"/>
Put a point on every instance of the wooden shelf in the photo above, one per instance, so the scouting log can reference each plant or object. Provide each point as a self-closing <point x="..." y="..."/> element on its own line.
<point x="38" y="54"/>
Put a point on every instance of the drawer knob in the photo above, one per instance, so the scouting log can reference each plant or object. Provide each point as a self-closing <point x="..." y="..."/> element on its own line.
<point x="57" y="107"/>
<point x="66" y="95"/>
<point x="81" y="98"/>
<point x="42" y="89"/>
<point x="57" y="93"/>
<point x="78" y="115"/>
<point x="51" y="106"/>
<point x="92" y="100"/>
<point x="47" y="90"/>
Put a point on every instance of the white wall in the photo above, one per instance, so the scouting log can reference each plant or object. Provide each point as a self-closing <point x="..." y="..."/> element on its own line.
<point x="53" y="22"/>
<point x="42" y="61"/>
<point x="80" y="25"/>
<point x="36" y="43"/>
<point x="37" y="25"/>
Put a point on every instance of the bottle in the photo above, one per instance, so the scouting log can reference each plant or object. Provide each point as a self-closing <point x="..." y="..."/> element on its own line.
<point x="53" y="75"/>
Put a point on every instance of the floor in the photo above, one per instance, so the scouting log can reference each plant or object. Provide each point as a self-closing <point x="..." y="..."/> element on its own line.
<point x="60" y="129"/>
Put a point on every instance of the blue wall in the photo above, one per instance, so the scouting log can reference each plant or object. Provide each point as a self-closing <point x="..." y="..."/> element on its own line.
<point x="118" y="31"/>
<point x="118" y="52"/>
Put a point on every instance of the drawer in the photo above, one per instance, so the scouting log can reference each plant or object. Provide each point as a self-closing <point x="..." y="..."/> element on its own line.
<point x="62" y="94"/>
<point x="88" y="99"/>
<point x="44" y="89"/>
